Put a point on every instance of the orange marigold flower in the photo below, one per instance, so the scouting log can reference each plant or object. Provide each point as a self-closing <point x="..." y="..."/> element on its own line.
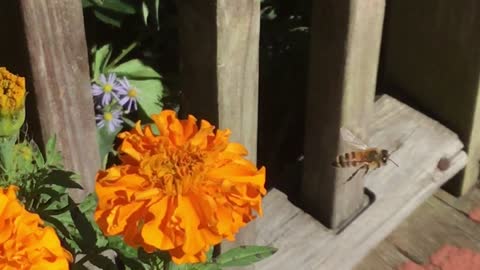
<point x="181" y="191"/>
<point x="24" y="242"/>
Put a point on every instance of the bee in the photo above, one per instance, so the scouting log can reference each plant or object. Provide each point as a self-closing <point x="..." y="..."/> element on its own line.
<point x="366" y="158"/>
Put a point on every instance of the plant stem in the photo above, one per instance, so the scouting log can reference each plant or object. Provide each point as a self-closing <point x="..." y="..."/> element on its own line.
<point x="123" y="54"/>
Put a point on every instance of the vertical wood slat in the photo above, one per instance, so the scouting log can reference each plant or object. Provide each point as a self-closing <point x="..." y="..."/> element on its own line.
<point x="57" y="60"/>
<point x="219" y="53"/>
<point x="431" y="56"/>
<point x="344" y="53"/>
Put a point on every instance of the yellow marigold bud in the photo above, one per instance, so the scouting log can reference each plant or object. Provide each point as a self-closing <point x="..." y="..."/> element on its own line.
<point x="12" y="102"/>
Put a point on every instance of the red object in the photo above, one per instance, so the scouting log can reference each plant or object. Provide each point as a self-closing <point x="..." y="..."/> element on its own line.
<point x="475" y="215"/>
<point x="448" y="258"/>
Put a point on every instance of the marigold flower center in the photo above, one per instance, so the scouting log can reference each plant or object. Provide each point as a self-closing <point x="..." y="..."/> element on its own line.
<point x="107" y="88"/>
<point x="132" y="92"/>
<point x="176" y="171"/>
<point x="12" y="92"/>
<point x="108" y="116"/>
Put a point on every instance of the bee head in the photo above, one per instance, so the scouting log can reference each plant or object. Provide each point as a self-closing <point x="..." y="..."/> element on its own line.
<point x="384" y="156"/>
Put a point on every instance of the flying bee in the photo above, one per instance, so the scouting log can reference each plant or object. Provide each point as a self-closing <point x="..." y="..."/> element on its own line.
<point x="367" y="158"/>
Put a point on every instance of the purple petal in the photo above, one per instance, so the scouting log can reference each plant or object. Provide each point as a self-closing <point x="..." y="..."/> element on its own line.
<point x="111" y="78"/>
<point x="106" y="98"/>
<point x="102" y="79"/>
<point x="101" y="123"/>
<point x="130" y="105"/>
<point x="124" y="100"/>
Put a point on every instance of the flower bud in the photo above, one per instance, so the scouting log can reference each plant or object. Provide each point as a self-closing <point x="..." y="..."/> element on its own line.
<point x="12" y="103"/>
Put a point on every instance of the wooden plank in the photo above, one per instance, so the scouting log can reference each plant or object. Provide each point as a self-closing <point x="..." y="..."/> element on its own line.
<point x="431" y="56"/>
<point x="345" y="46"/>
<point x="440" y="220"/>
<point x="55" y="61"/>
<point x="398" y="191"/>
<point x="435" y="224"/>
<point x="464" y="204"/>
<point x="219" y="48"/>
<point x="384" y="256"/>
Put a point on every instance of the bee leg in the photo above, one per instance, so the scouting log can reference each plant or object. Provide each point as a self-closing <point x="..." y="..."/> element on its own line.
<point x="366" y="169"/>
<point x="356" y="171"/>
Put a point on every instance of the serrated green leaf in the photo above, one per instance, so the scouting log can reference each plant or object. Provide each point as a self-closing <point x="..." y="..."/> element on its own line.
<point x="119" y="6"/>
<point x="61" y="178"/>
<point x="103" y="262"/>
<point x="135" y="70"/>
<point x="149" y="95"/>
<point x="85" y="228"/>
<point x="108" y="17"/>
<point x="57" y="224"/>
<point x="100" y="60"/>
<point x="133" y="264"/>
<point x="244" y="255"/>
<point x="52" y="156"/>
<point x="116" y="243"/>
<point x="88" y="204"/>
<point x="78" y="266"/>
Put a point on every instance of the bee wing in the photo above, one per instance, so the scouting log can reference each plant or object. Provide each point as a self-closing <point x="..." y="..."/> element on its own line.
<point x="351" y="139"/>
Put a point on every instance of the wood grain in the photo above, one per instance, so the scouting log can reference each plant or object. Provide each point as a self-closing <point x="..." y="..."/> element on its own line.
<point x="431" y="57"/>
<point x="219" y="48"/>
<point x="55" y="62"/>
<point x="344" y="52"/>
<point x="441" y="220"/>
<point x="384" y="256"/>
<point x="421" y="143"/>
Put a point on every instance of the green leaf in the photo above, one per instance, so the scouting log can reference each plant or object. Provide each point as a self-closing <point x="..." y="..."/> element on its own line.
<point x="108" y="17"/>
<point x="52" y="156"/>
<point x="105" y="141"/>
<point x="133" y="263"/>
<point x="103" y="262"/>
<point x="208" y="266"/>
<point x="56" y="224"/>
<point x="157" y="7"/>
<point x="119" y="6"/>
<point x="145" y="12"/>
<point x="135" y="69"/>
<point x="88" y="204"/>
<point x="116" y="243"/>
<point x="85" y="227"/>
<point x="55" y="212"/>
<point x="244" y="255"/>
<point x="150" y="94"/>
<point x="61" y="178"/>
<point x="100" y="60"/>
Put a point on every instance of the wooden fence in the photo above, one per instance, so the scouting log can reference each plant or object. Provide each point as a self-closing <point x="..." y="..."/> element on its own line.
<point x="429" y="55"/>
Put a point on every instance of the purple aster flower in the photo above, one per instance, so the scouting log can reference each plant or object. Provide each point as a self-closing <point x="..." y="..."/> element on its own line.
<point x="128" y="94"/>
<point x="107" y="88"/>
<point x="111" y="119"/>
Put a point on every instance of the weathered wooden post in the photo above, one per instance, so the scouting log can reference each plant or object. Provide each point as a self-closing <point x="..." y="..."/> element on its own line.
<point x="219" y="58"/>
<point x="345" y="47"/>
<point x="431" y="55"/>
<point x="47" y="44"/>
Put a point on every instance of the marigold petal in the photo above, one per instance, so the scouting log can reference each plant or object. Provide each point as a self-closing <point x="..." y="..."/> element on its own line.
<point x="194" y="241"/>
<point x="153" y="230"/>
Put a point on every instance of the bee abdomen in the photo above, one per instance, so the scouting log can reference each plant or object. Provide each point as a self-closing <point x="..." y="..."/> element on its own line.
<point x="346" y="160"/>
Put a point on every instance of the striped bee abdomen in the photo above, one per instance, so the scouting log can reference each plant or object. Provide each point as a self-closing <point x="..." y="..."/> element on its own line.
<point x="351" y="159"/>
